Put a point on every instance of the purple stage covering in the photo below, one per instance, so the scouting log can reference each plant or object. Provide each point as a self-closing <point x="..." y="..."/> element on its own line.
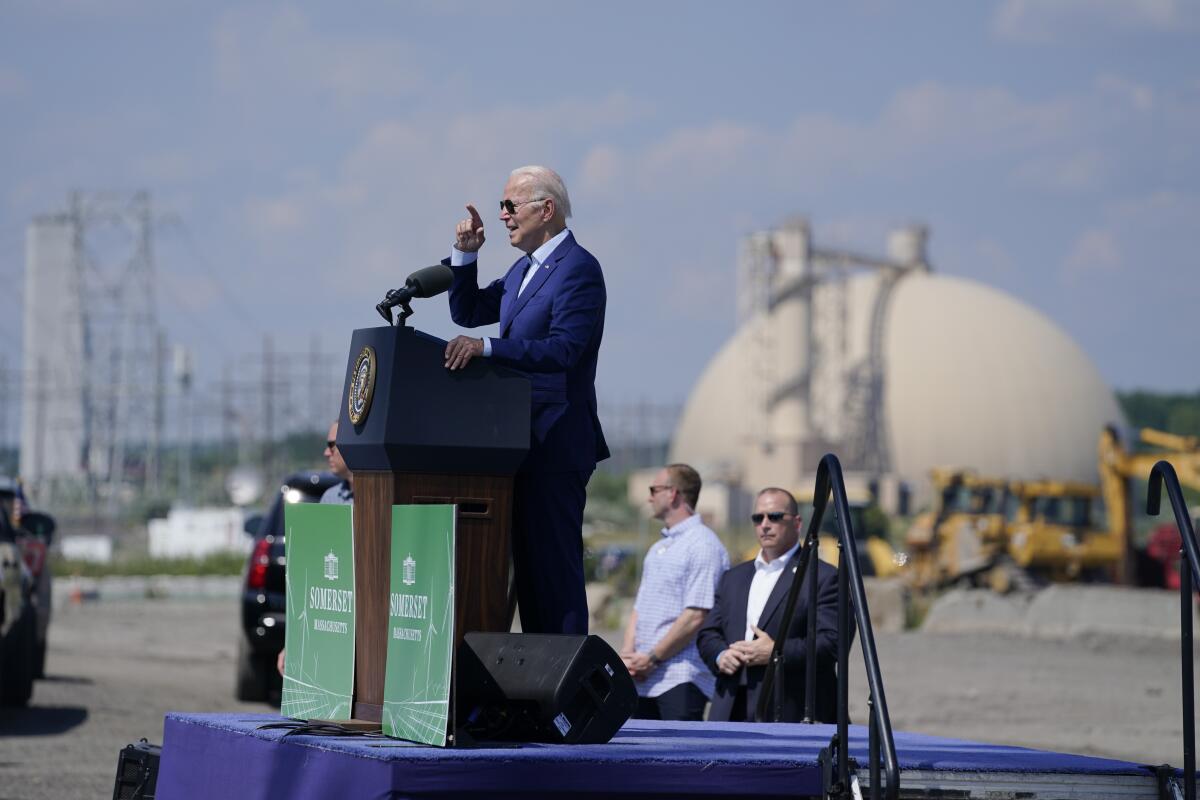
<point x="224" y="755"/>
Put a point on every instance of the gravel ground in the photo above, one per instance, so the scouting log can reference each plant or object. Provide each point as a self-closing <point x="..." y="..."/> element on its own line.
<point x="115" y="667"/>
<point x="1103" y="696"/>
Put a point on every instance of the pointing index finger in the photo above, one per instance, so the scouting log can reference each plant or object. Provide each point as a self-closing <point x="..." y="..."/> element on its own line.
<point x="476" y="220"/>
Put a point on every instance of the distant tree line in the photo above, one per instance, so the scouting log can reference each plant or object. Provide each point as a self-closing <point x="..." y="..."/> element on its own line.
<point x="1176" y="413"/>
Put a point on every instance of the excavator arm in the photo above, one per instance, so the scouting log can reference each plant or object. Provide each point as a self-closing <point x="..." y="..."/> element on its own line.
<point x="1118" y="468"/>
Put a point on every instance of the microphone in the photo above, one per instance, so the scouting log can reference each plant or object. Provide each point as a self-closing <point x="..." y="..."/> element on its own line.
<point x="427" y="282"/>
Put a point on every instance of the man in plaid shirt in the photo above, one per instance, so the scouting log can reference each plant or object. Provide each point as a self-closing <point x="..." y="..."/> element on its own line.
<point x="679" y="579"/>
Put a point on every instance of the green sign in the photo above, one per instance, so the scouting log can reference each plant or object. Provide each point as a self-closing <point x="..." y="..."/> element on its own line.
<point x="420" y="634"/>
<point x="318" y="679"/>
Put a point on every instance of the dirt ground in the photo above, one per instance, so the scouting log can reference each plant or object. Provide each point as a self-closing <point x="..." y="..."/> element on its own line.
<point x="115" y="667"/>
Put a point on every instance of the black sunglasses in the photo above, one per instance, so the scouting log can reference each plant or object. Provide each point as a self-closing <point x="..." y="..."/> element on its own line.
<point x="330" y="444"/>
<point x="511" y="207"/>
<point x="774" y="516"/>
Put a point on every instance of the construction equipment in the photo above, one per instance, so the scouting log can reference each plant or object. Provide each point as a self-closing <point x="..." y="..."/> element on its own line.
<point x="1052" y="535"/>
<point x="964" y="536"/>
<point x="1118" y="468"/>
<point x="1004" y="534"/>
<point x="876" y="557"/>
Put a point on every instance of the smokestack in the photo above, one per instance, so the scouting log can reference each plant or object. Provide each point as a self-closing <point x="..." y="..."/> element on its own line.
<point x="906" y="246"/>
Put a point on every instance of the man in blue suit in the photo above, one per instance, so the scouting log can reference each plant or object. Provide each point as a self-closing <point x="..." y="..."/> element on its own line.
<point x="740" y="631"/>
<point x="550" y="306"/>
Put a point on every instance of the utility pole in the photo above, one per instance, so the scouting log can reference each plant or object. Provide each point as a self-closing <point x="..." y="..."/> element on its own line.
<point x="268" y="420"/>
<point x="183" y="376"/>
<point x="39" y="425"/>
<point x="5" y="404"/>
<point x="153" y="451"/>
<point x="86" y="356"/>
<point x="316" y="392"/>
<point x="227" y="413"/>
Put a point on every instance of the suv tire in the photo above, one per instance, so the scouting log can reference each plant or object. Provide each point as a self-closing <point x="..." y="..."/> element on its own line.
<point x="19" y="647"/>
<point x="39" y="660"/>
<point x="251" y="680"/>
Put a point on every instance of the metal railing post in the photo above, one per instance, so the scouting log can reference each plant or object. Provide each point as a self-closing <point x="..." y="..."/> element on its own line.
<point x="851" y="596"/>
<point x="1164" y="473"/>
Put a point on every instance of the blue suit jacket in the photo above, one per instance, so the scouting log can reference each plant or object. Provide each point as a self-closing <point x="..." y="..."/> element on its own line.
<point x="551" y="333"/>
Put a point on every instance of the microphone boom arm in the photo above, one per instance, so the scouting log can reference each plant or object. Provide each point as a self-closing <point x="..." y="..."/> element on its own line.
<point x="422" y="283"/>
<point x="395" y="297"/>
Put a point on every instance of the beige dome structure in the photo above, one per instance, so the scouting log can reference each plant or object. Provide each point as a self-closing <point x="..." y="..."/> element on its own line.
<point x="964" y="375"/>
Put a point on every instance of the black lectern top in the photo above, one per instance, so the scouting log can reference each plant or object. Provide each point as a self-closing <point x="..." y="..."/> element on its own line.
<point x="414" y="415"/>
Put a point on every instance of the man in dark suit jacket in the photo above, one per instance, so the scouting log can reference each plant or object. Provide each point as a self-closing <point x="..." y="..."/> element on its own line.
<point x="550" y="306"/>
<point x="739" y="634"/>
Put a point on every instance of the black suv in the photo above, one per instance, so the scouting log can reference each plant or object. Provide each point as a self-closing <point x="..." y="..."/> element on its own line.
<point x="18" y="620"/>
<point x="263" y="586"/>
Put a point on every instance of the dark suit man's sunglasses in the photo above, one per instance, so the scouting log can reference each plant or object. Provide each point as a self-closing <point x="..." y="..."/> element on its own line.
<point x="774" y="516"/>
<point x="511" y="207"/>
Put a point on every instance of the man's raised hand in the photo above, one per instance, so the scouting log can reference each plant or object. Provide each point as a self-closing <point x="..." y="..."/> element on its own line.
<point x="468" y="236"/>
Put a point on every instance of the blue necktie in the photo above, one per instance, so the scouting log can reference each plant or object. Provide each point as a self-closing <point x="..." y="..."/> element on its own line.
<point x="524" y="274"/>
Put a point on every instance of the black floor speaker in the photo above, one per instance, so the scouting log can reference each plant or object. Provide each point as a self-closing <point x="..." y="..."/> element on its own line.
<point x="532" y="687"/>
<point x="137" y="771"/>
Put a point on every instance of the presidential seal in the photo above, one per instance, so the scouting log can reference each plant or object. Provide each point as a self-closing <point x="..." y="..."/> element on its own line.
<point x="362" y="385"/>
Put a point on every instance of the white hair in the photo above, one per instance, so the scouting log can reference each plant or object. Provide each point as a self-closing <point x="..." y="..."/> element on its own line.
<point x="546" y="183"/>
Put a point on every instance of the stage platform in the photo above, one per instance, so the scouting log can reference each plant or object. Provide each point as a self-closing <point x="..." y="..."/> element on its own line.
<point x="226" y="755"/>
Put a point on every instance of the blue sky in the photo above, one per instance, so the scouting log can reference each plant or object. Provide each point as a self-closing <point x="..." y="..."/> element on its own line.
<point x="308" y="156"/>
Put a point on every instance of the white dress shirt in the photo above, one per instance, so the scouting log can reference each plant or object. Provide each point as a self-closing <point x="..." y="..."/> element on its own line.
<point x="766" y="575"/>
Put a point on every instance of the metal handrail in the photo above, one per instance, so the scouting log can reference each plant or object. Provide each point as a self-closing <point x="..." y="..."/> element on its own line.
<point x="850" y="589"/>
<point x="1163" y="473"/>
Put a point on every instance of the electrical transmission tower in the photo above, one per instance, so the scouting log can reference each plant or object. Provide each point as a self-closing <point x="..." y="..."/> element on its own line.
<point x="93" y="393"/>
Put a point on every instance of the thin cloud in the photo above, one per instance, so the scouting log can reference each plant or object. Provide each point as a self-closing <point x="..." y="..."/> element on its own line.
<point x="1096" y="251"/>
<point x="266" y="51"/>
<point x="923" y="123"/>
<point x="1070" y="172"/>
<point x="601" y="171"/>
<point x="79" y="10"/>
<point x="994" y="260"/>
<point x="1135" y="95"/>
<point x="167" y="168"/>
<point x="1165" y="209"/>
<point x="1042" y="23"/>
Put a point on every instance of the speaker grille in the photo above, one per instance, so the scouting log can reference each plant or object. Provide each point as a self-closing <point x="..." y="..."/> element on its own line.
<point x="542" y="688"/>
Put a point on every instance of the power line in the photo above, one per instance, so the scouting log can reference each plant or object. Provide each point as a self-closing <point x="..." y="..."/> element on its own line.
<point x="215" y="337"/>
<point x="245" y="317"/>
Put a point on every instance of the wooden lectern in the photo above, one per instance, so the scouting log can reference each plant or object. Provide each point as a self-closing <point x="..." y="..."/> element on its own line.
<point x="427" y="435"/>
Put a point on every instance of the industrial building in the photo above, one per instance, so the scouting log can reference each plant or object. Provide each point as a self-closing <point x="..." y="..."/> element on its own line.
<point x="893" y="367"/>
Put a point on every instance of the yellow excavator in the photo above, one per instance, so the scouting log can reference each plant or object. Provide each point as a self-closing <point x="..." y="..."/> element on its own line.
<point x="1000" y="534"/>
<point x="963" y="537"/>
<point x="1119" y="468"/>
<point x="1057" y="532"/>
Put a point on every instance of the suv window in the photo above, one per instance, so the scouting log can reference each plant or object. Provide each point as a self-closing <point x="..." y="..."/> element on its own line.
<point x="305" y="488"/>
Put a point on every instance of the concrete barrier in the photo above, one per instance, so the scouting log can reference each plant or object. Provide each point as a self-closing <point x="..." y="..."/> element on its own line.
<point x="1074" y="611"/>
<point x="887" y="600"/>
<point x="134" y="587"/>
<point x="1061" y="611"/>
